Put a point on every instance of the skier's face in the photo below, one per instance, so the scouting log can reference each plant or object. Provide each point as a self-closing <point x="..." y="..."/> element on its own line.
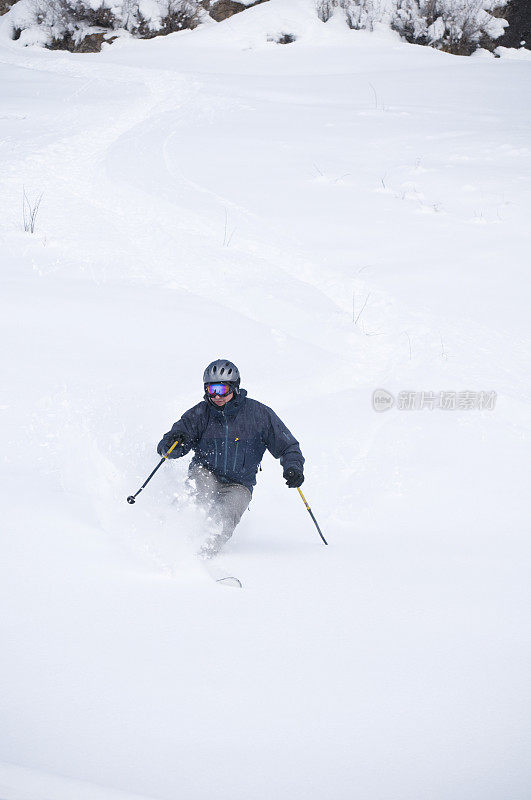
<point x="221" y="401"/>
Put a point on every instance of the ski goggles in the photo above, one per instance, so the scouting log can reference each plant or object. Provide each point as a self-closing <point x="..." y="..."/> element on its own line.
<point x="218" y="389"/>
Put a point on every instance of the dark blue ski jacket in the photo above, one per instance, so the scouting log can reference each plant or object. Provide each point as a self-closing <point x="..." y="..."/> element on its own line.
<point x="230" y="441"/>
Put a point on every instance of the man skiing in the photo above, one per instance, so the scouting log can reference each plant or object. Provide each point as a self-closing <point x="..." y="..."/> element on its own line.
<point x="229" y="434"/>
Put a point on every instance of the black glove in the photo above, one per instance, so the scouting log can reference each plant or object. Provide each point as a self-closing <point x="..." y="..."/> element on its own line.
<point x="294" y="477"/>
<point x="180" y="449"/>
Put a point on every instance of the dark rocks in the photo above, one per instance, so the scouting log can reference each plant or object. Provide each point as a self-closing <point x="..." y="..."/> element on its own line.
<point x="223" y="9"/>
<point x="286" y="38"/>
<point x="91" y="43"/>
<point x="518" y="15"/>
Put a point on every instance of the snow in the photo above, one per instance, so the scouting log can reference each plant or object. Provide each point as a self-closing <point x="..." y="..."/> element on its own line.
<point x="213" y="193"/>
<point x="520" y="53"/>
<point x="18" y="783"/>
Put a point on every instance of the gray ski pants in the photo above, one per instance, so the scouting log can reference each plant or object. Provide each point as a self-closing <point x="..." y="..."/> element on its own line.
<point x="224" y="503"/>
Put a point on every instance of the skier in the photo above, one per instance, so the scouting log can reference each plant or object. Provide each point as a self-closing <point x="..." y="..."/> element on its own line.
<point x="229" y="433"/>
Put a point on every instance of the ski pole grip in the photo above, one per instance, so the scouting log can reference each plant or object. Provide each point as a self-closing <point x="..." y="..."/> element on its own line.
<point x="171" y="448"/>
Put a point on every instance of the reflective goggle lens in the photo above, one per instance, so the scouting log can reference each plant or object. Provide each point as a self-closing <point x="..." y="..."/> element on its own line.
<point x="219" y="389"/>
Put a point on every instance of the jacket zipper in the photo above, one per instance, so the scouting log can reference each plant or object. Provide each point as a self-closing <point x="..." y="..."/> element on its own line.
<point x="226" y="445"/>
<point x="235" y="455"/>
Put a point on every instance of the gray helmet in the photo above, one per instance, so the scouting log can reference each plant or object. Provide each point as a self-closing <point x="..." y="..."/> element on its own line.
<point x="222" y="371"/>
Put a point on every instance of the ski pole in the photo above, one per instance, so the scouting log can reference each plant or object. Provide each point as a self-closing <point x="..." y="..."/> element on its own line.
<point x="131" y="498"/>
<point x="311" y="515"/>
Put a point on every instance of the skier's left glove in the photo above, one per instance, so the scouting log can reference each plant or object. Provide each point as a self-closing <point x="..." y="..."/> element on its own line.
<point x="293" y="477"/>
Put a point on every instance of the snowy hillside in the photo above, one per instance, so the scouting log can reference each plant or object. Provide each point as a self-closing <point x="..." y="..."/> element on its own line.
<point x="344" y="214"/>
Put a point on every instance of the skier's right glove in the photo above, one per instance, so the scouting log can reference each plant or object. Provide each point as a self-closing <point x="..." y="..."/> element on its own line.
<point x="293" y="477"/>
<point x="181" y="448"/>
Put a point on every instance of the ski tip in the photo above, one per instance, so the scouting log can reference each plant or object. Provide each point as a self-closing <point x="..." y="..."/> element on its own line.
<point x="230" y="581"/>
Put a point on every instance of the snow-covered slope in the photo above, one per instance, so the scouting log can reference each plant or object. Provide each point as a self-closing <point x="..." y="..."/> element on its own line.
<point x="338" y="215"/>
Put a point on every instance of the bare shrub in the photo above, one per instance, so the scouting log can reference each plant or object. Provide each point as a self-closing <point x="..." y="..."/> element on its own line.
<point x="30" y="209"/>
<point x="455" y="26"/>
<point x="325" y="9"/>
<point x="410" y="23"/>
<point x="67" y="14"/>
<point x="359" y="14"/>
<point x="176" y="15"/>
<point x="180" y="15"/>
<point x="76" y="26"/>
